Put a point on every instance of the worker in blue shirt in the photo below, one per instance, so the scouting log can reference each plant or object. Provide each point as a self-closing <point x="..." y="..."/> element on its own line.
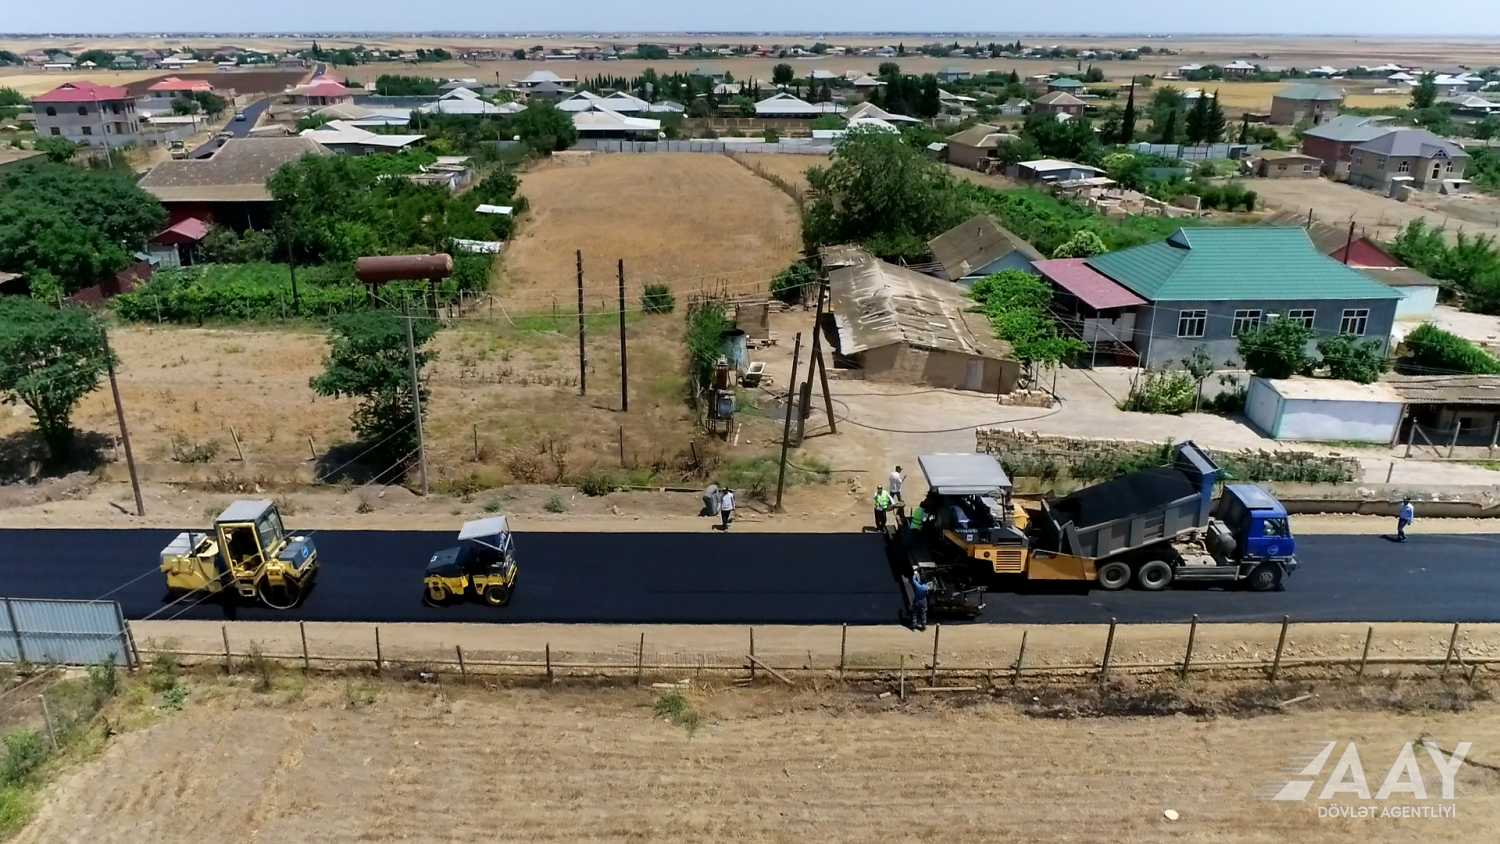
<point x="1407" y="514"/>
<point x="918" y="602"/>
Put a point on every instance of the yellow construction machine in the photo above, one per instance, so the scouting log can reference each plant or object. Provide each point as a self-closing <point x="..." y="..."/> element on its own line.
<point x="248" y="556"/>
<point x="482" y="565"/>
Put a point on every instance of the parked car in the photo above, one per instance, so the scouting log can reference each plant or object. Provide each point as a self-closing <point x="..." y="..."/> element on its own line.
<point x="239" y="116"/>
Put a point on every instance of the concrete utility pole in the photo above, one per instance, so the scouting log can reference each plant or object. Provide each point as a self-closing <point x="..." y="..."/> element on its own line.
<point x="114" y="387"/>
<point x="786" y="427"/>
<point x="817" y="359"/>
<point x="624" y="360"/>
<point x="583" y="373"/>
<point x="416" y="400"/>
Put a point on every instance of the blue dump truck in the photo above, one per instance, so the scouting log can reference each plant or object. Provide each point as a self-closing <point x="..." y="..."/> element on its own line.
<point x="1151" y="527"/>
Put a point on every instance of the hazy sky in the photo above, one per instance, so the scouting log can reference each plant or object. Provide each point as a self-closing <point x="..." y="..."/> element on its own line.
<point x="1375" y="17"/>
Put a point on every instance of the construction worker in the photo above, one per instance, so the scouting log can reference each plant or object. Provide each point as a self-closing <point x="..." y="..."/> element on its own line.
<point x="1404" y="518"/>
<point x="726" y="508"/>
<point x="882" y="504"/>
<point x="919" y="592"/>
<point x="918" y="516"/>
<point x="896" y="481"/>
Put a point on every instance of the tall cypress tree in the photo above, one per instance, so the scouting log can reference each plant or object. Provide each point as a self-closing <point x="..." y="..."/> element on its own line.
<point x="1214" y="125"/>
<point x="1127" y="121"/>
<point x="1245" y="131"/>
<point x="1167" y="133"/>
<point x="1197" y="120"/>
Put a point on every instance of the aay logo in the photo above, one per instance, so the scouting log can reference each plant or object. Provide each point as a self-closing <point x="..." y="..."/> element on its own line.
<point x="1404" y="779"/>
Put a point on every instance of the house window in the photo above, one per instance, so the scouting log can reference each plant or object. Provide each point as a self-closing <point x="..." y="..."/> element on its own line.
<point x="1354" y="321"/>
<point x="82" y="110"/>
<point x="1302" y="316"/>
<point x="1245" y="320"/>
<point x="1437" y="169"/>
<point x="1191" y="323"/>
<point x="88" y="130"/>
<point x="51" y="111"/>
<point x="1403" y="167"/>
<point x="56" y="131"/>
<point x="1448" y="166"/>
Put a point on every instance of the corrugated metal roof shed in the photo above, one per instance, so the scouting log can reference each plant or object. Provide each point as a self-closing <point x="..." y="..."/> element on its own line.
<point x="876" y="304"/>
<point x="1446" y="389"/>
<point x="974" y="244"/>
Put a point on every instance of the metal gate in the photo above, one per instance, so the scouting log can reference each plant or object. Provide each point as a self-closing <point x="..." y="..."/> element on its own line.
<point x="47" y="631"/>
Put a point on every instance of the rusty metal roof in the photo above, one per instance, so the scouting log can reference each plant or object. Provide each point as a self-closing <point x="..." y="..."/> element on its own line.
<point x="1446" y="389"/>
<point x="877" y="304"/>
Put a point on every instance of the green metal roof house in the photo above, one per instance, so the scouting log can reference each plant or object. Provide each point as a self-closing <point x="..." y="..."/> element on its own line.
<point x="1204" y="286"/>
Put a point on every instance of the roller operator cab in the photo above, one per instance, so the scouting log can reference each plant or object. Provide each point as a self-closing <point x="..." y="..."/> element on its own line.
<point x="249" y="555"/>
<point x="482" y="566"/>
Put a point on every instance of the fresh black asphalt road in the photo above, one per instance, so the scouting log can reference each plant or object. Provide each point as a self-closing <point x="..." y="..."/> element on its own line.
<point x="756" y="578"/>
<point x="237" y="128"/>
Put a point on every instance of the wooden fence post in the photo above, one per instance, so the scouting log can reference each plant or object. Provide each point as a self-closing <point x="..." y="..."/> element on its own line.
<point x="640" y="658"/>
<point x="1187" y="658"/>
<point x="1286" y="621"/>
<point x="1365" y="657"/>
<point x="901" y="677"/>
<point x="235" y="435"/>
<point x="1015" y="677"/>
<point x="228" y="666"/>
<point x="306" y="660"/>
<point x="1452" y="647"/>
<point x="843" y="646"/>
<point x="463" y="673"/>
<point x="378" y="660"/>
<point x="752" y="654"/>
<point x="937" y="632"/>
<point x="47" y="717"/>
<point x="1109" y="646"/>
<point x="548" y="657"/>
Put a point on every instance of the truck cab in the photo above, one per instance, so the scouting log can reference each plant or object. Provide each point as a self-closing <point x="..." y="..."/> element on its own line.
<point x="1259" y="524"/>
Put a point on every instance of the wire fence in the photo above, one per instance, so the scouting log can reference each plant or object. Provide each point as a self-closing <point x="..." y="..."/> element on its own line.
<point x="633" y="658"/>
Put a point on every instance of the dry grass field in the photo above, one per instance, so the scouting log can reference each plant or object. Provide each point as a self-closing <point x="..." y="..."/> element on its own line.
<point x="36" y="82"/>
<point x="690" y="221"/>
<point x="517" y="384"/>
<point x="359" y="759"/>
<point x="1256" y="96"/>
<point x="790" y="168"/>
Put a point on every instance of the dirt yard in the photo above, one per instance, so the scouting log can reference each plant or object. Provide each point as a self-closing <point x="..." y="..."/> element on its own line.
<point x="690" y="221"/>
<point x="1378" y="216"/>
<point x="359" y="759"/>
<point x="790" y="168"/>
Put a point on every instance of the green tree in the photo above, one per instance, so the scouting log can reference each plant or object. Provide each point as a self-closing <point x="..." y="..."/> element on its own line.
<point x="1216" y="123"/>
<point x="792" y="284"/>
<point x="888" y="70"/>
<point x="1244" y="137"/>
<point x="1432" y="351"/>
<point x="1424" y="95"/>
<point x="545" y="128"/>
<point x="57" y="150"/>
<point x="1276" y="349"/>
<point x="1199" y="364"/>
<point x="368" y="361"/>
<point x="1352" y="359"/>
<point x="879" y="190"/>
<point x="212" y="104"/>
<point x="1073" y="140"/>
<point x="11" y="97"/>
<point x="1083" y="244"/>
<point x="49" y="360"/>
<point x="1127" y="122"/>
<point x="1166" y="131"/>
<point x="782" y="74"/>
<point x="1197" y="120"/>
<point x="102" y="58"/>
<point x="1016" y="303"/>
<point x="930" y="102"/>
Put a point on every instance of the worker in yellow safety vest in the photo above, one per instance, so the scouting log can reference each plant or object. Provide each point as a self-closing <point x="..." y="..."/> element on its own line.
<point x="882" y="504"/>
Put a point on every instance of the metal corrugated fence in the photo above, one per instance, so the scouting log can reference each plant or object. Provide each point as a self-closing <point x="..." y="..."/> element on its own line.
<point x="41" y="631"/>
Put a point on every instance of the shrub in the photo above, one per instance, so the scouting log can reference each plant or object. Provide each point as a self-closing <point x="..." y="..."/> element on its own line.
<point x="676" y="708"/>
<point x="792" y="284"/>
<point x="555" y="504"/>
<point x="1351" y="359"/>
<point x="1277" y="349"/>
<point x="239" y="292"/>
<point x="25" y="751"/>
<point x="1431" y="349"/>
<point x="185" y="450"/>
<point x="1162" y="391"/>
<point x="707" y="320"/>
<point x="658" y="299"/>
<point x="596" y="482"/>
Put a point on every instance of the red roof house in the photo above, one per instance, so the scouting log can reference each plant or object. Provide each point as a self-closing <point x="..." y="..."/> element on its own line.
<point x="174" y="85"/>
<point x="81" y="92"/>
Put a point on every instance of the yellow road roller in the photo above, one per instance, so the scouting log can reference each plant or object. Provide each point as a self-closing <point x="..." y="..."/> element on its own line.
<point x="248" y="556"/>
<point x="482" y="566"/>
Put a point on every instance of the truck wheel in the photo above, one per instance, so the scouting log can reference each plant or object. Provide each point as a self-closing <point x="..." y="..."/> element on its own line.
<point x="1264" y="578"/>
<point x="1114" y="576"/>
<point x="497" y="596"/>
<point x="1154" y="575"/>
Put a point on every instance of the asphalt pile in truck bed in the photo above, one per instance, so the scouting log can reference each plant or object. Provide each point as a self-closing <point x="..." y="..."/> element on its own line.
<point x="1127" y="495"/>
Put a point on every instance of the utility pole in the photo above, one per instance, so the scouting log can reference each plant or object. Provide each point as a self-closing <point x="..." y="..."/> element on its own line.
<point x="416" y="401"/>
<point x="1349" y="243"/>
<point x="583" y="374"/>
<point x="114" y="387"/>
<point x="786" y="427"/>
<point x="817" y="358"/>
<point x="624" y="360"/>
